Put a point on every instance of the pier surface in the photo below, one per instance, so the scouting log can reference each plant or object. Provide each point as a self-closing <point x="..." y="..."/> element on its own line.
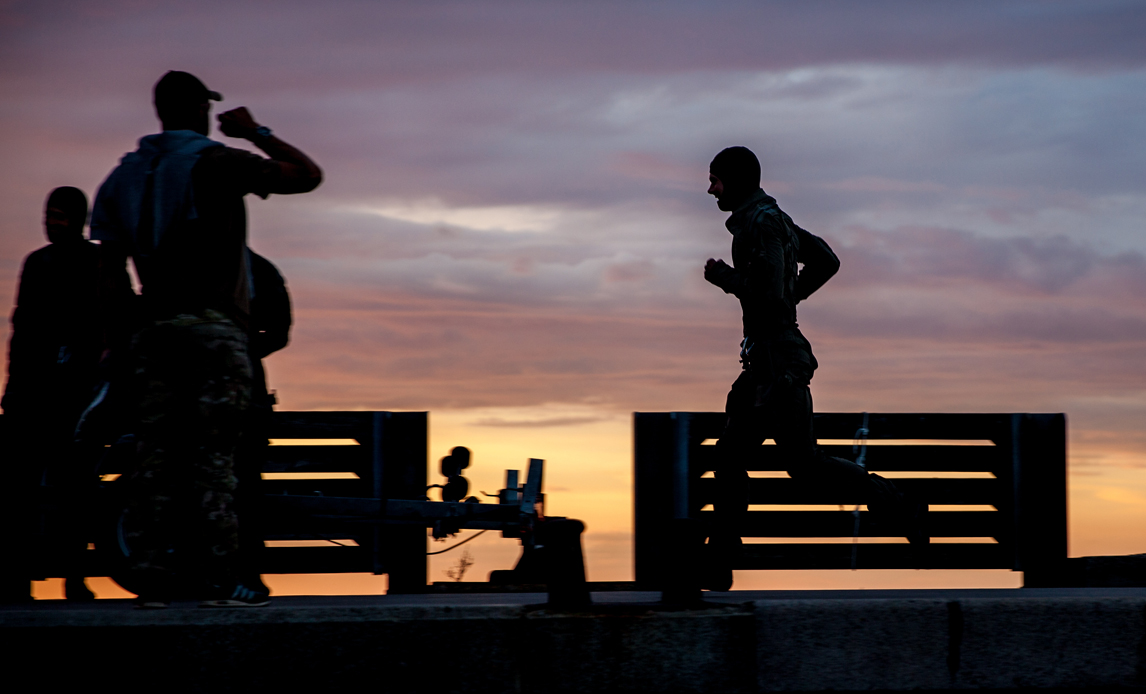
<point x="740" y="641"/>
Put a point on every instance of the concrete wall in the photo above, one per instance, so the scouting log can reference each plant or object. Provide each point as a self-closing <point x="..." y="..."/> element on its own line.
<point x="761" y="646"/>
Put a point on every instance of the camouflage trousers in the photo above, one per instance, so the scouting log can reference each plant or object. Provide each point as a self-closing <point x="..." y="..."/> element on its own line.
<point x="193" y="377"/>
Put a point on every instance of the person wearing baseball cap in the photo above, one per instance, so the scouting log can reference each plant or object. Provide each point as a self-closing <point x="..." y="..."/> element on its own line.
<point x="176" y="207"/>
<point x="178" y="92"/>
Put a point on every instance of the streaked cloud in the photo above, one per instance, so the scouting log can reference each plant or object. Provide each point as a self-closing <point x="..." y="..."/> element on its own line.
<point x="495" y="218"/>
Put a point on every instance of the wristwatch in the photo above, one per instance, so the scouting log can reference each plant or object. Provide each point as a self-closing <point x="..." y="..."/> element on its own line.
<point x="263" y="132"/>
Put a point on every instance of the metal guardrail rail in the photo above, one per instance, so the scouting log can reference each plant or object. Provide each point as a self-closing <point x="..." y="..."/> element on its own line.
<point x="344" y="492"/>
<point x="1010" y="512"/>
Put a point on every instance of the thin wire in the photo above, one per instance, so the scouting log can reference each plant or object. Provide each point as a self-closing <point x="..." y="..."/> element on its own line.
<point x="323" y="538"/>
<point x="443" y="551"/>
<point x="859" y="445"/>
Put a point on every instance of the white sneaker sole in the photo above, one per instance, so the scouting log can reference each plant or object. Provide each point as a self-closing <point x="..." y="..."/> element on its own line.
<point x="234" y="603"/>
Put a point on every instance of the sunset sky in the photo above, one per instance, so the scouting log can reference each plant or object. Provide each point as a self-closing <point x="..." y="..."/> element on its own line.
<point x="513" y="223"/>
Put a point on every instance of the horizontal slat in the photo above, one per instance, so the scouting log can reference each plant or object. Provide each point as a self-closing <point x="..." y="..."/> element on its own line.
<point x="706" y="425"/>
<point x="391" y="509"/>
<point x="318" y="459"/>
<point x="304" y="560"/>
<point x="53" y="564"/>
<point x="339" y="488"/>
<point x="936" y="458"/>
<point x="274" y="560"/>
<point x="842" y="524"/>
<point x="843" y="425"/>
<point x="929" y="491"/>
<point x="318" y="425"/>
<point x="893" y="556"/>
<point x="282" y="525"/>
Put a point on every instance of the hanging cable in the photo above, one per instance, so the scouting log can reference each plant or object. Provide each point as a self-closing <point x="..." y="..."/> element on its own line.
<point x="443" y="551"/>
<point x="859" y="450"/>
<point x="859" y="443"/>
<point x="324" y="538"/>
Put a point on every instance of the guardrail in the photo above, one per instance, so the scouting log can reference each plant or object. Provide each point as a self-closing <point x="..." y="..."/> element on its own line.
<point x="996" y="485"/>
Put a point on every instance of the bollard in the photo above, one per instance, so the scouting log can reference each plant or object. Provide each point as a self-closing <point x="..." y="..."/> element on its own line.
<point x="681" y="581"/>
<point x="559" y="544"/>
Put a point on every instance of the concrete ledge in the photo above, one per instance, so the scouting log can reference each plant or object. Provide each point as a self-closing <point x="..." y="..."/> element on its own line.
<point x="1065" y="642"/>
<point x="992" y="643"/>
<point x="852" y="644"/>
<point x="1121" y="571"/>
<point x="627" y="643"/>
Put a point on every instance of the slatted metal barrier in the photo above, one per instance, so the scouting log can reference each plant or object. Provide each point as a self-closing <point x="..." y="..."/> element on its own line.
<point x="995" y="483"/>
<point x="349" y="455"/>
<point x="374" y="455"/>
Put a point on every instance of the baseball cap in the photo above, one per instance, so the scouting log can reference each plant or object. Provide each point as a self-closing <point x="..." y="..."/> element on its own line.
<point x="177" y="87"/>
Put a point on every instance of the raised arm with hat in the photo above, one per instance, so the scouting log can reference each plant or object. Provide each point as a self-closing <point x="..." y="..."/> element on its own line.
<point x="177" y="206"/>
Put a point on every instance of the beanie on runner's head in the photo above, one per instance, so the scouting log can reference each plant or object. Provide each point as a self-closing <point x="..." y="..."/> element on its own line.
<point x="72" y="202"/>
<point x="739" y="170"/>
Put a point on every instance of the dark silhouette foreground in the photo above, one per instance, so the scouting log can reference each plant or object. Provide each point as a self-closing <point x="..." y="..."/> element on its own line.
<point x="52" y="359"/>
<point x="175" y="206"/>
<point x="771" y="398"/>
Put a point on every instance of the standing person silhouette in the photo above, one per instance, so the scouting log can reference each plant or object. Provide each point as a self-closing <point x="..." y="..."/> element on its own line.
<point x="176" y="207"/>
<point x="52" y="359"/>
<point x="270" y="331"/>
<point x="771" y="398"/>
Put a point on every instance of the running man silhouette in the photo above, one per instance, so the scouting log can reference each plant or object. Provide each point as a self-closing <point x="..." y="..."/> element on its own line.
<point x="772" y="398"/>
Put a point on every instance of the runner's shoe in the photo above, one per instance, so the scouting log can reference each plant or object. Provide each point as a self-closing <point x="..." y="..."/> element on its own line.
<point x="241" y="596"/>
<point x="720" y="555"/>
<point x="76" y="590"/>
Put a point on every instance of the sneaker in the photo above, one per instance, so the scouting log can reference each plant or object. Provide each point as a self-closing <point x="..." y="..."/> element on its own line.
<point x="242" y="596"/>
<point x="720" y="555"/>
<point x="254" y="581"/>
<point x="76" y="590"/>
<point x="716" y="577"/>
